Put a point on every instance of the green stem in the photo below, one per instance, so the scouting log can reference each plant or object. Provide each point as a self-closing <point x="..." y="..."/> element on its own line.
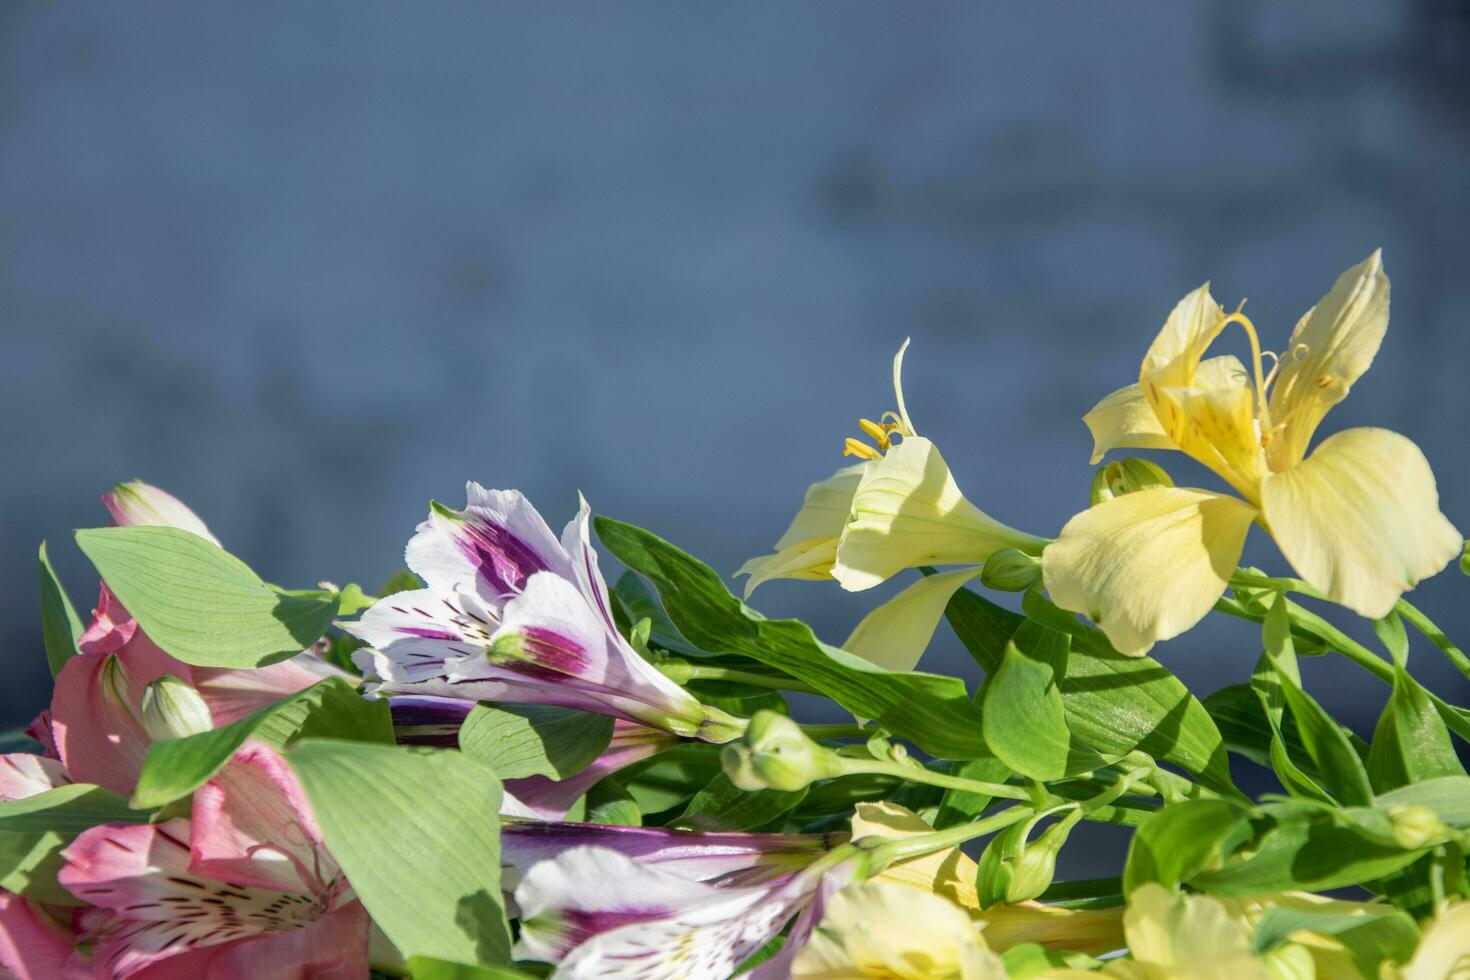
<point x="896" y="850"/>
<point x="1416" y="618"/>
<point x="701" y="672"/>
<point x="835" y="731"/>
<point x="918" y="774"/>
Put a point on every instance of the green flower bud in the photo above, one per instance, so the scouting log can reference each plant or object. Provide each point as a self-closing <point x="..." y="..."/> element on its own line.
<point x="777" y="754"/>
<point x="1016" y="869"/>
<point x="1465" y="559"/>
<point x="1290" y="961"/>
<point x="1415" y="826"/>
<point x="1127" y="476"/>
<point x="173" y="709"/>
<point x="1011" y="570"/>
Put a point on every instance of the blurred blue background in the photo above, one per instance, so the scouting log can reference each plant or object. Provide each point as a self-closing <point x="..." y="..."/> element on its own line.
<point x="308" y="266"/>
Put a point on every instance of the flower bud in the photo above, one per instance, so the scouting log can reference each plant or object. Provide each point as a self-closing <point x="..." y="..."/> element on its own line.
<point x="1011" y="570"/>
<point x="777" y="754"/>
<point x="1465" y="558"/>
<point x="1014" y="869"/>
<point x="1127" y="476"/>
<point x="173" y="709"/>
<point x="1415" y="826"/>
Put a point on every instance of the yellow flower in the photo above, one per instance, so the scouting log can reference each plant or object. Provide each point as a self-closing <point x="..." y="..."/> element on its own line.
<point x="1358" y="519"/>
<point x="879" y="929"/>
<point x="1444" y="949"/>
<point x="1186" y="937"/>
<point x="899" y="509"/>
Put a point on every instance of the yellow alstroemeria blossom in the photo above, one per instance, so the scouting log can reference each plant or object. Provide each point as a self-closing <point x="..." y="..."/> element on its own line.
<point x="1444" y="947"/>
<point x="899" y="509"/>
<point x="880" y="929"/>
<point x="1358" y="518"/>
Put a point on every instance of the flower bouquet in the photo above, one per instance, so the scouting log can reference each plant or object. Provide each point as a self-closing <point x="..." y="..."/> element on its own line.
<point x="500" y="765"/>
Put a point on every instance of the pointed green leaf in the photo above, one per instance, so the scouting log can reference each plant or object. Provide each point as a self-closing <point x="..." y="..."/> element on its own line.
<point x="935" y="713"/>
<point x="200" y="603"/>
<point x="1022" y="715"/>
<point x="417" y="833"/>
<point x="1114" y="703"/>
<point x="1182" y="840"/>
<point x="61" y="628"/>
<point x="34" y="829"/>
<point x="720" y="806"/>
<point x="1411" y="742"/>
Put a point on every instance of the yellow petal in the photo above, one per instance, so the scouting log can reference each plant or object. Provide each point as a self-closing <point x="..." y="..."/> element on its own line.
<point x="1444" y="951"/>
<point x="1330" y="348"/>
<point x="895" y="635"/>
<point x="1125" y="420"/>
<point x="809" y="560"/>
<point x="1091" y="931"/>
<point x="1147" y="566"/>
<point x="1192" y="326"/>
<point x="1188" y="936"/>
<point x="1359" y="519"/>
<point x="879" y="929"/>
<point x="908" y="512"/>
<point x="809" y="546"/>
<point x="949" y="873"/>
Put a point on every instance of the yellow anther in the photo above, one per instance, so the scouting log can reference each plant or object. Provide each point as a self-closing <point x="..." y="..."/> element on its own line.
<point x="878" y="433"/>
<point x="853" y="447"/>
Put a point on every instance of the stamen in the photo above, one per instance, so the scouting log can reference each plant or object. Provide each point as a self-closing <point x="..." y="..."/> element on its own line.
<point x="1263" y="410"/>
<point x="853" y="447"/>
<point x="878" y="433"/>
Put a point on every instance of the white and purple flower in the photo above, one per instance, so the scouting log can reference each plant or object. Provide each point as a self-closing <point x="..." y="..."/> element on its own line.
<point x="513" y="614"/>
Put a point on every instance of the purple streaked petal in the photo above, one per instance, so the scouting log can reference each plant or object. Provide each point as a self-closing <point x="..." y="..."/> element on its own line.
<point x="597" y="913"/>
<point x="490" y="548"/>
<point x="428" y="721"/>
<point x="576" y="540"/>
<point x="709" y="856"/>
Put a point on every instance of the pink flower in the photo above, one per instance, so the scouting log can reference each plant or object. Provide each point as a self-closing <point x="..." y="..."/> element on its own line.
<point x="243" y="888"/>
<point x="95" y="725"/>
<point x="35" y="943"/>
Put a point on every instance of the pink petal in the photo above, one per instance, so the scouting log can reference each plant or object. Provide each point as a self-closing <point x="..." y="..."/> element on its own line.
<point x="111" y="628"/>
<point x="334" y="947"/>
<point x="233" y="694"/>
<point x="138" y="503"/>
<point x="40" y="730"/>
<point x="252" y="824"/>
<point x="33" y="945"/>
<point x="23" y="774"/>
<point x="151" y="907"/>
<point x="94" y="712"/>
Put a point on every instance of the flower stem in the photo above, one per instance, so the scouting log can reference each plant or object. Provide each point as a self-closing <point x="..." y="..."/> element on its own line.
<point x="835" y="731"/>
<point x="890" y="851"/>
<point x="919" y="774"/>
<point x="1416" y="618"/>
<point x="683" y="672"/>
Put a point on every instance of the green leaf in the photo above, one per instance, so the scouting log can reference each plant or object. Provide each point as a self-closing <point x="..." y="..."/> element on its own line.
<point x="330" y="708"/>
<point x="417" y="833"/>
<point x="1022" y="716"/>
<point x="1242" y="721"/>
<point x="1369" y="935"/>
<point x="1411" y="742"/>
<point x="534" y="740"/>
<point x="671" y="778"/>
<point x="200" y="603"/>
<point x="1306" y="848"/>
<point x="61" y="629"/>
<point x="935" y="713"/>
<point x="33" y="830"/>
<point x="1338" y="764"/>
<point x="609" y="803"/>
<point x="1182" y="840"/>
<point x="1115" y="704"/>
<point x="636" y="601"/>
<point x="1394" y="637"/>
<point x="721" y="806"/>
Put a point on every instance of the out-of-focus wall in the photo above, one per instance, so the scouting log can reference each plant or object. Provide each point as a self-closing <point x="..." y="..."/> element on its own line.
<point x="308" y="266"/>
